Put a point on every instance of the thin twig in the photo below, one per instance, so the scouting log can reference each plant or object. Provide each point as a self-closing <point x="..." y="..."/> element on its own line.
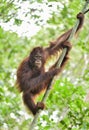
<point x="59" y="63"/>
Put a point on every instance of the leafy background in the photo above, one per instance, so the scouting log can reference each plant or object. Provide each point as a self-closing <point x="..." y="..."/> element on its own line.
<point x="67" y="107"/>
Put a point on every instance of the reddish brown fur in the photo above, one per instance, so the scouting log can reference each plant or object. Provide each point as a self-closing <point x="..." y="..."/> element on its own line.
<point x="32" y="79"/>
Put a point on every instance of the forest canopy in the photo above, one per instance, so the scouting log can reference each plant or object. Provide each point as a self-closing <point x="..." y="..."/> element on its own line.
<point x="25" y="25"/>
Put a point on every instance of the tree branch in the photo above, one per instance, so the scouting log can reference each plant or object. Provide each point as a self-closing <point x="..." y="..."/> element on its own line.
<point x="58" y="64"/>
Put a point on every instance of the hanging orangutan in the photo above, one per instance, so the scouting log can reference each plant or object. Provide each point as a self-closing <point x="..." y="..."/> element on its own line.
<point x="31" y="75"/>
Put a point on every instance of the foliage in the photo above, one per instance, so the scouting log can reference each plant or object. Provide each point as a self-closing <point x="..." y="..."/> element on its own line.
<point x="66" y="107"/>
<point x="7" y="10"/>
